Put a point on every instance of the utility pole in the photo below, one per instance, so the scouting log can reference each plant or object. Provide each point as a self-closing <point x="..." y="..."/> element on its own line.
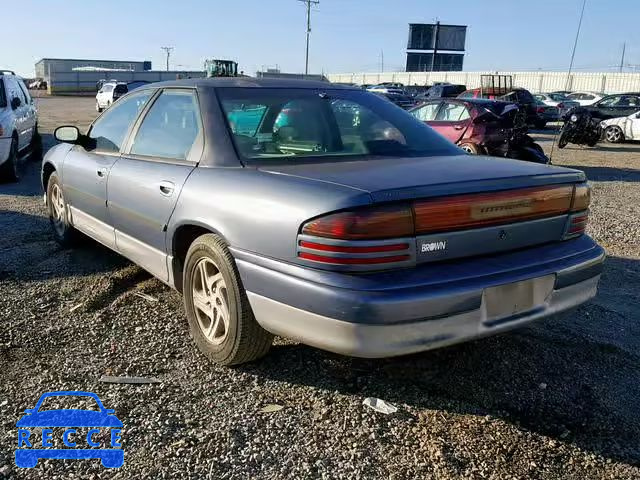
<point x="624" y="47"/>
<point x="308" y="3"/>
<point x="168" y="51"/>
<point x="436" y="32"/>
<point x="381" y="61"/>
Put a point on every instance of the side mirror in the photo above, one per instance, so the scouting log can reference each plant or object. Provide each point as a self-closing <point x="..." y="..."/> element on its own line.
<point x="30" y="410"/>
<point x="638" y="115"/>
<point x="15" y="103"/>
<point x="110" y="411"/>
<point x="67" y="134"/>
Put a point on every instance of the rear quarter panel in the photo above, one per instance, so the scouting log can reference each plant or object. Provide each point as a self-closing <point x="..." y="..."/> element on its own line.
<point x="256" y="211"/>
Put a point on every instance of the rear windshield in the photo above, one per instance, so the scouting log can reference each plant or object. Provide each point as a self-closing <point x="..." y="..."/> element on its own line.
<point x="276" y="124"/>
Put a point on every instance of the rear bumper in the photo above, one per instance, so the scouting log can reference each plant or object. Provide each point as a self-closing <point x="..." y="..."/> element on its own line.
<point x="390" y="314"/>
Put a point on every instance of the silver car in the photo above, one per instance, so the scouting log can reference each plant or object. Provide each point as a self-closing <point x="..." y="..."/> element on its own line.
<point x="320" y="213"/>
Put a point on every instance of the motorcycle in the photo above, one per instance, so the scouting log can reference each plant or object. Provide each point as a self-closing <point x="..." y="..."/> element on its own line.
<point x="513" y="140"/>
<point x="580" y="128"/>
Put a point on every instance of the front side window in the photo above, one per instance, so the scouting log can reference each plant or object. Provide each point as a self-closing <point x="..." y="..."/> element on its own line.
<point x="111" y="128"/>
<point x="452" y="112"/>
<point x="610" y="101"/>
<point x="426" y="113"/>
<point x="270" y="124"/>
<point x="170" y="128"/>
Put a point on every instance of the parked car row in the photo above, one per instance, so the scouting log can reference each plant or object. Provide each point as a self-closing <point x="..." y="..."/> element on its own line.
<point x="325" y="214"/>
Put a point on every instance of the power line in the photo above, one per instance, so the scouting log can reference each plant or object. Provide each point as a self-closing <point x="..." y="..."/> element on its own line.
<point x="168" y="51"/>
<point x="308" y="3"/>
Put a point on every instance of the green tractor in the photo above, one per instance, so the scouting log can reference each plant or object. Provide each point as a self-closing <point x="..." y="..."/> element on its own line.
<point x="221" y="68"/>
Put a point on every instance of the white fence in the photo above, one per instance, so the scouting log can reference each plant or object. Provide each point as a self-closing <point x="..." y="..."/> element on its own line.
<point x="532" y="81"/>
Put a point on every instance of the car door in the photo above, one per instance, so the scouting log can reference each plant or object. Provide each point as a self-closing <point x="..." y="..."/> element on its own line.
<point x="85" y="171"/>
<point x="20" y="112"/>
<point x="634" y="121"/>
<point x="608" y="107"/>
<point x="30" y="112"/>
<point x="144" y="185"/>
<point x="452" y="120"/>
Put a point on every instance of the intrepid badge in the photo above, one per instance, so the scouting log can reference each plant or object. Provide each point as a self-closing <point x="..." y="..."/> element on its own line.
<point x="433" y="246"/>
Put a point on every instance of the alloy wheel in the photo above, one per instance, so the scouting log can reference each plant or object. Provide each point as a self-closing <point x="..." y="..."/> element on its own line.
<point x="57" y="209"/>
<point x="614" y="135"/>
<point x="210" y="301"/>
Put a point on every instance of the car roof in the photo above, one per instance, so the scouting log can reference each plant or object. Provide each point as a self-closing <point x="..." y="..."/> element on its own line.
<point x="250" y="82"/>
<point x="473" y="101"/>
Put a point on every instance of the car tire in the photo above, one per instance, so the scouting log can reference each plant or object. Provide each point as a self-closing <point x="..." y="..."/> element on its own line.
<point x="9" y="169"/>
<point x="211" y="280"/>
<point x="614" y="134"/>
<point x="36" y="146"/>
<point x="471" y="148"/>
<point x="63" y="232"/>
<point x="98" y="107"/>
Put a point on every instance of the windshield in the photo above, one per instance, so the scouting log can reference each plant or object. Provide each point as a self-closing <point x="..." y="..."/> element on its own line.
<point x="292" y="123"/>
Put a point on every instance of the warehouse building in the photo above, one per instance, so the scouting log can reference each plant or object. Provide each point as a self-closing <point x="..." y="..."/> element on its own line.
<point x="46" y="66"/>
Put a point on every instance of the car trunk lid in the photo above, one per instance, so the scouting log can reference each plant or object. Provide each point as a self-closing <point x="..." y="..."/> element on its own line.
<point x="501" y="205"/>
<point x="393" y="179"/>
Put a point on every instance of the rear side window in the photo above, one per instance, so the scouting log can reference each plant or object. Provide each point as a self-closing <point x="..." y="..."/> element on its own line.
<point x="452" y="112"/>
<point x="25" y="91"/>
<point x="426" y="113"/>
<point x="111" y="128"/>
<point x="121" y="88"/>
<point x="3" y="95"/>
<point x="170" y="128"/>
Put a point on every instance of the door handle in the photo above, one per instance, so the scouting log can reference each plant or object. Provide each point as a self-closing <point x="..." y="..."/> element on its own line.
<point x="459" y="127"/>
<point x="101" y="172"/>
<point x="166" y="188"/>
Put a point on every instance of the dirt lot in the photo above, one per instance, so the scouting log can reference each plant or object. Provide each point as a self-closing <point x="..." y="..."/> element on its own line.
<point x="558" y="399"/>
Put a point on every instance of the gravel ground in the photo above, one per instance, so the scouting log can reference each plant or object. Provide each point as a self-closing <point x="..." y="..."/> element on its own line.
<point x="558" y="399"/>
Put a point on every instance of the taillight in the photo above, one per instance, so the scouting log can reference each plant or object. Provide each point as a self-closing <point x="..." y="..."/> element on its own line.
<point x="577" y="223"/>
<point x="561" y="105"/>
<point x="581" y="197"/>
<point x="374" y="223"/>
<point x="540" y="110"/>
<point x="384" y="236"/>
<point x="476" y="210"/>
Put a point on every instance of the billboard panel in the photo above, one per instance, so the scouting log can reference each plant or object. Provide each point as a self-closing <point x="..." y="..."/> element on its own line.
<point x="451" y="37"/>
<point x="422" y="36"/>
<point x="444" y="62"/>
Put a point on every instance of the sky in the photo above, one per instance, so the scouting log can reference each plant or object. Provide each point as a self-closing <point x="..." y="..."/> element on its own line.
<point x="347" y="35"/>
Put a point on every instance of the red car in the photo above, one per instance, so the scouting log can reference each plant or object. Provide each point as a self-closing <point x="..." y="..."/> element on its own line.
<point x="482" y="127"/>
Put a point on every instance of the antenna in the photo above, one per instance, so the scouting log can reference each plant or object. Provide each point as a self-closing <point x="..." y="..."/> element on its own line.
<point x="624" y="47"/>
<point x="308" y="3"/>
<point x="168" y="51"/>
<point x="573" y="54"/>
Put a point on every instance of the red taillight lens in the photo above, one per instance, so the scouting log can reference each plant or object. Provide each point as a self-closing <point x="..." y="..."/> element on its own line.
<point x="374" y="223"/>
<point x="354" y="260"/>
<point x="475" y="210"/>
<point x="540" y="109"/>
<point x="561" y="105"/>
